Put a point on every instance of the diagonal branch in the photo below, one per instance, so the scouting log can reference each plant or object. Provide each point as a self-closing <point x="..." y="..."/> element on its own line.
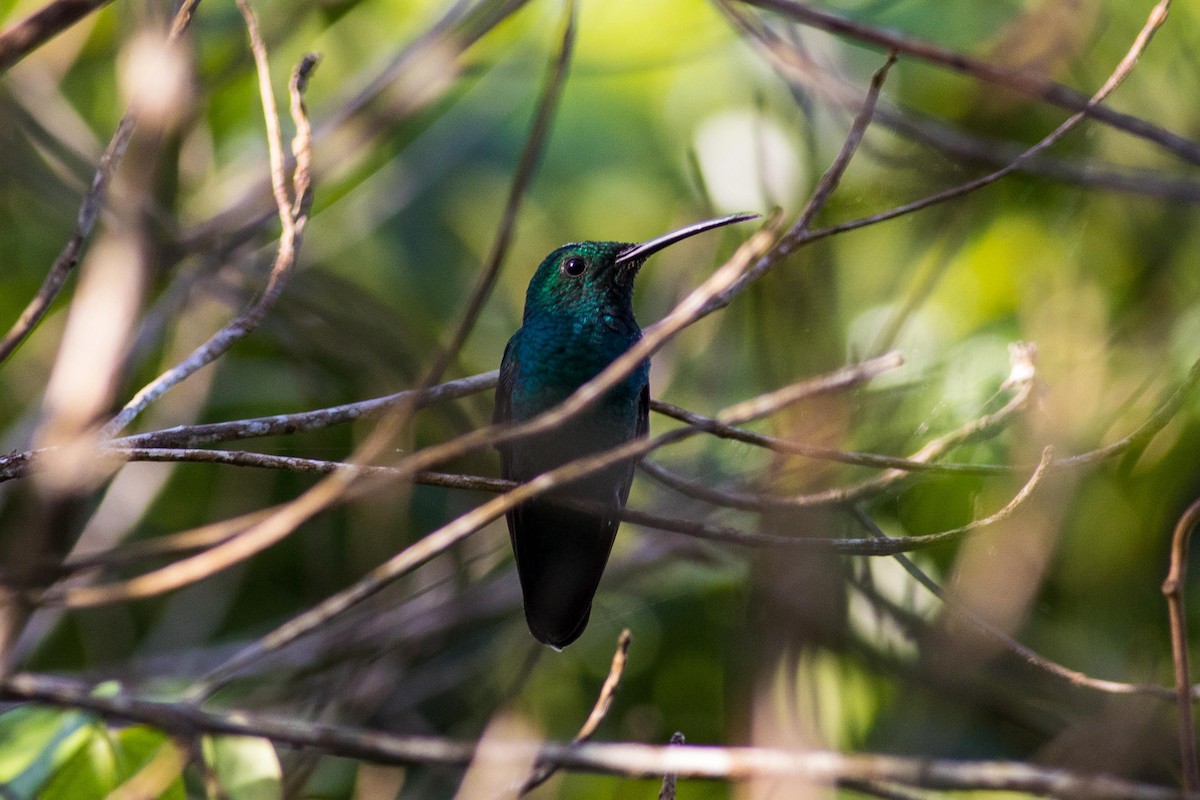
<point x="1020" y="381"/>
<point x="19" y="40"/>
<point x="1038" y="660"/>
<point x="428" y="547"/>
<point x="89" y="209"/>
<point x="292" y="221"/>
<point x="543" y="772"/>
<point x="547" y="105"/>
<point x="1033" y="85"/>
<point x="1157" y="16"/>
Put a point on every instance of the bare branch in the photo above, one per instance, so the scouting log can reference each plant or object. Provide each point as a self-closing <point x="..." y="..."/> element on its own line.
<point x="630" y="760"/>
<point x="291" y="221"/>
<point x="93" y="199"/>
<point x="1172" y="589"/>
<point x="547" y="105"/>
<point x="19" y="40"/>
<point x="1033" y="85"/>
<point x="1020" y="381"/>
<point x="667" y="791"/>
<point x="1154" y="21"/>
<point x="846" y="546"/>
<point x="435" y="53"/>
<point x="797" y="234"/>
<point x="608" y="691"/>
<point x="1032" y="657"/>
<point x="192" y="435"/>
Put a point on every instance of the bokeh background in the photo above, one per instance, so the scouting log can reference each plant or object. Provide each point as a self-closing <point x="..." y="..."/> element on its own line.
<point x="673" y="112"/>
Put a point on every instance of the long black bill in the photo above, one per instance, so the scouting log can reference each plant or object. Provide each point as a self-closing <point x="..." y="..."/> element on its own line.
<point x="641" y="251"/>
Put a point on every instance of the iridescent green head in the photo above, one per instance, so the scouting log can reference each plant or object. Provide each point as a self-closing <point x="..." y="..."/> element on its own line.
<point x="583" y="277"/>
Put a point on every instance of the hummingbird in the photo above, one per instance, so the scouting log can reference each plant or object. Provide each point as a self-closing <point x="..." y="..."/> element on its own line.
<point x="578" y="319"/>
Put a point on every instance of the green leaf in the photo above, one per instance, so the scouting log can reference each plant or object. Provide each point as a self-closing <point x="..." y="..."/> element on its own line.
<point x="55" y="755"/>
<point x="34" y="743"/>
<point x="247" y="768"/>
<point x="90" y="772"/>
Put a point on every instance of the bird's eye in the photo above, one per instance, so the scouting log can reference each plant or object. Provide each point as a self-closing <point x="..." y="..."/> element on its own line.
<point x="574" y="266"/>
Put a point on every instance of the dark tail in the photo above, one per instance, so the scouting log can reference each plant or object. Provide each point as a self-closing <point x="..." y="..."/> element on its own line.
<point x="561" y="554"/>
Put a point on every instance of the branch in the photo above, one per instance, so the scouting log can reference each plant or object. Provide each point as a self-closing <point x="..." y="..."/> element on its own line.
<point x="1033" y="85"/>
<point x="1020" y="380"/>
<point x="822" y="767"/>
<point x="547" y="104"/>
<point x="19" y="40"/>
<point x="1172" y="589"/>
<point x="667" y="790"/>
<point x="1032" y="657"/>
<point x="829" y="181"/>
<point x="803" y="73"/>
<point x="93" y="199"/>
<point x="279" y="424"/>
<point x="417" y="76"/>
<point x="1154" y="21"/>
<point x="431" y="545"/>
<point x="293" y="216"/>
<point x="543" y="772"/>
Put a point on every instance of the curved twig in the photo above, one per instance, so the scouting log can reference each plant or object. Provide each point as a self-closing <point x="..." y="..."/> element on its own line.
<point x="1033" y="85"/>
<point x="1020" y="380"/>
<point x="93" y="199"/>
<point x="293" y="217"/>
<point x="1075" y="677"/>
<point x="543" y="772"/>
<point x="1172" y="589"/>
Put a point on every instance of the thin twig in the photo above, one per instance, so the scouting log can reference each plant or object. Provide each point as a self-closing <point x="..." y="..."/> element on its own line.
<point x="1020" y="380"/>
<point x="804" y="74"/>
<point x="667" y="791"/>
<point x="543" y="772"/>
<point x="292" y="224"/>
<point x="846" y="546"/>
<point x="953" y="604"/>
<point x="1033" y="85"/>
<point x="547" y="105"/>
<point x="281" y="424"/>
<point x="1157" y="16"/>
<point x="436" y="53"/>
<point x="89" y="208"/>
<point x="427" y="548"/>
<point x="1172" y="589"/>
<point x="630" y="760"/>
<point x="800" y="230"/>
<point x="22" y="38"/>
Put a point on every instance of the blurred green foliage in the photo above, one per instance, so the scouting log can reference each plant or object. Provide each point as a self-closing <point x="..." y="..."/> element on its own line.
<point x="670" y="114"/>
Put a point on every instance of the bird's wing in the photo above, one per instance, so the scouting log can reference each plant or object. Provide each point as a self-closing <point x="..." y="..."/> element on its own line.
<point x="503" y="409"/>
<point x="643" y="420"/>
<point x="641" y="432"/>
